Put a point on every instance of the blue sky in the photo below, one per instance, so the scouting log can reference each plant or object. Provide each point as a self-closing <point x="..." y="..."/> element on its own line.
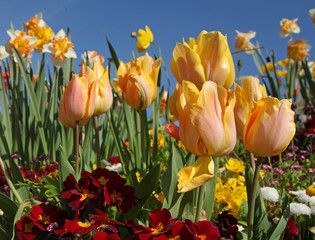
<point x="169" y="21"/>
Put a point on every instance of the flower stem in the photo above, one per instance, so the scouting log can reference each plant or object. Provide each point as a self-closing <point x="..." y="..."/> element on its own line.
<point x="11" y="185"/>
<point x="200" y="202"/>
<point x="251" y="209"/>
<point x="97" y="143"/>
<point x="252" y="161"/>
<point x="143" y="143"/>
<point x="76" y="148"/>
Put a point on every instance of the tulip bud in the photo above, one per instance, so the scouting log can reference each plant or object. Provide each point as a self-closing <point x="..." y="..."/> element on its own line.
<point x="78" y="101"/>
<point x="138" y="81"/>
<point x="209" y="59"/>
<point x="269" y="127"/>
<point x="196" y="175"/>
<point x="250" y="92"/>
<point x="206" y="120"/>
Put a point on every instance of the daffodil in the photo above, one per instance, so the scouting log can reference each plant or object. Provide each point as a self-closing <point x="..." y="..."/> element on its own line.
<point x="60" y="48"/>
<point x="145" y="38"/>
<point x="288" y="27"/>
<point x="298" y="50"/>
<point x="243" y="41"/>
<point x="312" y="13"/>
<point x="3" y="53"/>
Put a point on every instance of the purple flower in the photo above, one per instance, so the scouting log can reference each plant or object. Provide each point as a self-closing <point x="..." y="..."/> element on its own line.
<point x="291" y="155"/>
<point x="294" y="147"/>
<point x="278" y="170"/>
<point x="311" y="170"/>
<point x="16" y="155"/>
<point x="304" y="152"/>
<point x="302" y="176"/>
<point x="265" y="166"/>
<point x="296" y="167"/>
<point x="275" y="182"/>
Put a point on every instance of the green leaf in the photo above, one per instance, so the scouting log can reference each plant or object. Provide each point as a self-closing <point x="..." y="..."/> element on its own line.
<point x="148" y="183"/>
<point x="112" y="53"/>
<point x="4" y="234"/>
<point x="33" y="100"/>
<point x="65" y="167"/>
<point x="8" y="207"/>
<point x="169" y="179"/>
<point x="276" y="231"/>
<point x="16" y="178"/>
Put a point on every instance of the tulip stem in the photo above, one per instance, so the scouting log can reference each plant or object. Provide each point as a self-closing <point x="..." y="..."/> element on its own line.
<point x="252" y="161"/>
<point x="251" y="209"/>
<point x="97" y="143"/>
<point x="11" y="185"/>
<point x="143" y="143"/>
<point x="200" y="202"/>
<point x="76" y="148"/>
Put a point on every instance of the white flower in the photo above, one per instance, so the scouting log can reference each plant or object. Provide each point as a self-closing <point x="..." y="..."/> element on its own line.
<point x="303" y="197"/>
<point x="312" y="229"/>
<point x="3" y="53"/>
<point x="270" y="194"/>
<point x="1" y="212"/>
<point x="112" y="167"/>
<point x="299" y="209"/>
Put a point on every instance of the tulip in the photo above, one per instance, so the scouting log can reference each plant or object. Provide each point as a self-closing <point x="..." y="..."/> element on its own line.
<point x="138" y="81"/>
<point x="209" y="59"/>
<point x="250" y="92"/>
<point x="104" y="97"/>
<point x="78" y="101"/>
<point x="206" y="120"/>
<point x="196" y="175"/>
<point x="270" y="127"/>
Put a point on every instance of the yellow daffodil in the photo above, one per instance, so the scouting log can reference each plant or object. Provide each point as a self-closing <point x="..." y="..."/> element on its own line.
<point x="145" y="37"/>
<point x="138" y="81"/>
<point x="36" y="27"/>
<point x="269" y="66"/>
<point x="298" y="50"/>
<point x="270" y="127"/>
<point x="210" y="59"/>
<point x="235" y="165"/>
<point x="288" y="27"/>
<point x="243" y="41"/>
<point x="284" y="63"/>
<point x="196" y="175"/>
<point x="60" y="48"/>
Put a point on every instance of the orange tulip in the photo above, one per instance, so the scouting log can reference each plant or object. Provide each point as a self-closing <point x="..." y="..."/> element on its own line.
<point x="206" y="120"/>
<point x="196" y="175"/>
<point x="269" y="127"/>
<point x="78" y="101"/>
<point x="138" y="81"/>
<point x="210" y="59"/>
<point x="250" y="91"/>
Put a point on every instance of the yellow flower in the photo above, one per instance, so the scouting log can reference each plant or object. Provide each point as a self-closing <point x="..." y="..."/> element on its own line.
<point x="78" y="101"/>
<point x="283" y="74"/>
<point x="23" y="43"/>
<point x="145" y="37"/>
<point x="138" y="81"/>
<point x="209" y="60"/>
<point x="310" y="191"/>
<point x="163" y="102"/>
<point x="196" y="175"/>
<point x="269" y="127"/>
<point x="243" y="41"/>
<point x="235" y="165"/>
<point x="246" y="95"/>
<point x="60" y="48"/>
<point x="93" y="57"/>
<point x="312" y="13"/>
<point x="288" y="27"/>
<point x="269" y="66"/>
<point x="298" y="50"/>
<point x="284" y="62"/>
<point x="36" y="27"/>
<point x="117" y="88"/>
<point x="206" y="119"/>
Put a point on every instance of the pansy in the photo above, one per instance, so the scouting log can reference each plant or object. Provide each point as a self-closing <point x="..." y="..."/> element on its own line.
<point x="26" y="229"/>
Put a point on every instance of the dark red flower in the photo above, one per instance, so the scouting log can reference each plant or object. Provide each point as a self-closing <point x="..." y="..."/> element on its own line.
<point x="26" y="229"/>
<point x="114" y="159"/>
<point x="45" y="216"/>
<point x="291" y="231"/>
<point x="106" y="236"/>
<point x="228" y="225"/>
<point x="102" y="177"/>
<point x="203" y="230"/>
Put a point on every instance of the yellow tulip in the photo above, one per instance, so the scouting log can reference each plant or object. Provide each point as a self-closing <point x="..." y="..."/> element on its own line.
<point x="269" y="127"/>
<point x="104" y="98"/>
<point x="145" y="37"/>
<point x="206" y="120"/>
<point x="78" y="101"/>
<point x="196" y="175"/>
<point x="138" y="81"/>
<point x="250" y="92"/>
<point x="210" y="59"/>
